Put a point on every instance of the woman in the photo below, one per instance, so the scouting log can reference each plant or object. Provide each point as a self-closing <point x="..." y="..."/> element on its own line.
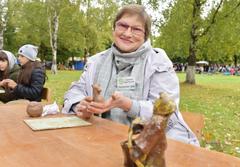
<point x="131" y="74"/>
<point x="31" y="78"/>
<point x="8" y="69"/>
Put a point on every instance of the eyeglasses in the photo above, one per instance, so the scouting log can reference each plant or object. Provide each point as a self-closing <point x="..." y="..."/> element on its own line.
<point x="120" y="26"/>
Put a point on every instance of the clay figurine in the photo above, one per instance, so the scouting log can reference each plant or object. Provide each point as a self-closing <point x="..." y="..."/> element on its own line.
<point x="97" y="97"/>
<point x="147" y="141"/>
<point x="34" y="109"/>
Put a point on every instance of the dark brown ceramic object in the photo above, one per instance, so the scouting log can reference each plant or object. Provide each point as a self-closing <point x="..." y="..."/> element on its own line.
<point x="34" y="109"/>
<point x="147" y="148"/>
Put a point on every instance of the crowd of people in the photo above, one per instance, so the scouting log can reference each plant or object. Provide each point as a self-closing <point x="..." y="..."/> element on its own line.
<point x="210" y="69"/>
<point x="229" y="70"/>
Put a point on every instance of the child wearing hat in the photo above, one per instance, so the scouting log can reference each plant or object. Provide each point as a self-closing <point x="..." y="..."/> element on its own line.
<point x="8" y="69"/>
<point x="31" y="78"/>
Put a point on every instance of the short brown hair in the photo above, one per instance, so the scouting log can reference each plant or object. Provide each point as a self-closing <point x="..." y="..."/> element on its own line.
<point x="135" y="9"/>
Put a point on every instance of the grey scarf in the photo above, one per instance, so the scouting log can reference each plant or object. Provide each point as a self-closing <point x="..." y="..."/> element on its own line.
<point x="116" y="66"/>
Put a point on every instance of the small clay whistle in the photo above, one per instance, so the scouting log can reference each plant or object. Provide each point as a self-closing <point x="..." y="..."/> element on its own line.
<point x="97" y="97"/>
<point x="34" y="109"/>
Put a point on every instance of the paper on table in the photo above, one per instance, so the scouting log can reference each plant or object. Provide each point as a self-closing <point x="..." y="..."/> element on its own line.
<point x="55" y="123"/>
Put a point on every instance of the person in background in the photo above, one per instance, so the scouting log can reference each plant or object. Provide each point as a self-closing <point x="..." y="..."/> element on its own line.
<point x="8" y="66"/>
<point x="31" y="79"/>
<point x="131" y="74"/>
<point x="8" y="69"/>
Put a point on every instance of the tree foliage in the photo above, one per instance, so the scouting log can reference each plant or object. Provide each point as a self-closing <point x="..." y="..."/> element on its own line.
<point x="187" y="34"/>
<point x="222" y="43"/>
<point x="85" y="27"/>
<point x="174" y="34"/>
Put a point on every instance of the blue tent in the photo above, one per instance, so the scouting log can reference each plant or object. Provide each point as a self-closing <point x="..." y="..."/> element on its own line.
<point x="78" y="65"/>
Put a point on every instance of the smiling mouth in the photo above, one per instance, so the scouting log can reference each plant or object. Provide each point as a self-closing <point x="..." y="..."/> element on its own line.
<point x="126" y="40"/>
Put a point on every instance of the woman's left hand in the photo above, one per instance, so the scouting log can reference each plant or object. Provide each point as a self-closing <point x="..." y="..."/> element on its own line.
<point x="116" y="101"/>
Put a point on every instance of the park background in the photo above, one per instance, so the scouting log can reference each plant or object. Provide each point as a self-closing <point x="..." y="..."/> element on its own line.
<point x="188" y="30"/>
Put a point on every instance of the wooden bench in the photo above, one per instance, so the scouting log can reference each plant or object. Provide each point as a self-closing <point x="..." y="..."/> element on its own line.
<point x="46" y="95"/>
<point x="195" y="121"/>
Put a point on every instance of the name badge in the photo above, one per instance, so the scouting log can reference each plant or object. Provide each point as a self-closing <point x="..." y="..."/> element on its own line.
<point x="126" y="83"/>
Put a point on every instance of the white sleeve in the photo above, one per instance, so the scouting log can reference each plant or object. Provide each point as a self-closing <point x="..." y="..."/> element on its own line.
<point x="163" y="79"/>
<point x="79" y="89"/>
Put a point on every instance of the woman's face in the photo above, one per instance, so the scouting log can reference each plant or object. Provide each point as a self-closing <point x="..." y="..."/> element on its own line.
<point x="3" y="65"/>
<point x="129" y="33"/>
<point x="22" y="60"/>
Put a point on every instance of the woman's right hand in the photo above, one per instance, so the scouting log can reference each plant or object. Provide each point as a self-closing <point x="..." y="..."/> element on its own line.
<point x="117" y="100"/>
<point x="81" y="108"/>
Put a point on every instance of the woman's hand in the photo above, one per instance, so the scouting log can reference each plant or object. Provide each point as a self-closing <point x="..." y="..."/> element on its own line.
<point x="9" y="83"/>
<point x="3" y="83"/>
<point x="81" y="108"/>
<point x="116" y="101"/>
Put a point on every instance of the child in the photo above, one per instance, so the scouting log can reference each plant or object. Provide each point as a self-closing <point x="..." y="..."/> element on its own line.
<point x="8" y="66"/>
<point x="8" y="69"/>
<point x="31" y="78"/>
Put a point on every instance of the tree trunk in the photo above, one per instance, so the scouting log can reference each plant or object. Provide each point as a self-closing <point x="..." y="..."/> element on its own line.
<point x="1" y="38"/>
<point x="72" y="64"/>
<point x="53" y="40"/>
<point x="196" y="34"/>
<point x="235" y="59"/>
<point x="190" y="75"/>
<point x="85" y="56"/>
<point x="1" y="24"/>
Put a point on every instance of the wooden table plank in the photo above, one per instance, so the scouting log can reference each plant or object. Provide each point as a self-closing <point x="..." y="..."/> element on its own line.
<point x="97" y="145"/>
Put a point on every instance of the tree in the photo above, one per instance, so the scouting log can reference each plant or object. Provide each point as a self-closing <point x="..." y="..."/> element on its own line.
<point x="53" y="11"/>
<point x="27" y="23"/>
<point x="195" y="25"/>
<point x="98" y="26"/>
<point x="197" y="31"/>
<point x="222" y="43"/>
<point x="70" y="31"/>
<point x="174" y="32"/>
<point x="2" y="21"/>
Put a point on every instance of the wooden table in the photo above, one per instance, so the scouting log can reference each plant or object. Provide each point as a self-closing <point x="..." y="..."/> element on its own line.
<point x="97" y="145"/>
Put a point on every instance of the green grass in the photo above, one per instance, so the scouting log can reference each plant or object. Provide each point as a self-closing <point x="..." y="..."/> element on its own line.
<point x="216" y="96"/>
<point x="60" y="83"/>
